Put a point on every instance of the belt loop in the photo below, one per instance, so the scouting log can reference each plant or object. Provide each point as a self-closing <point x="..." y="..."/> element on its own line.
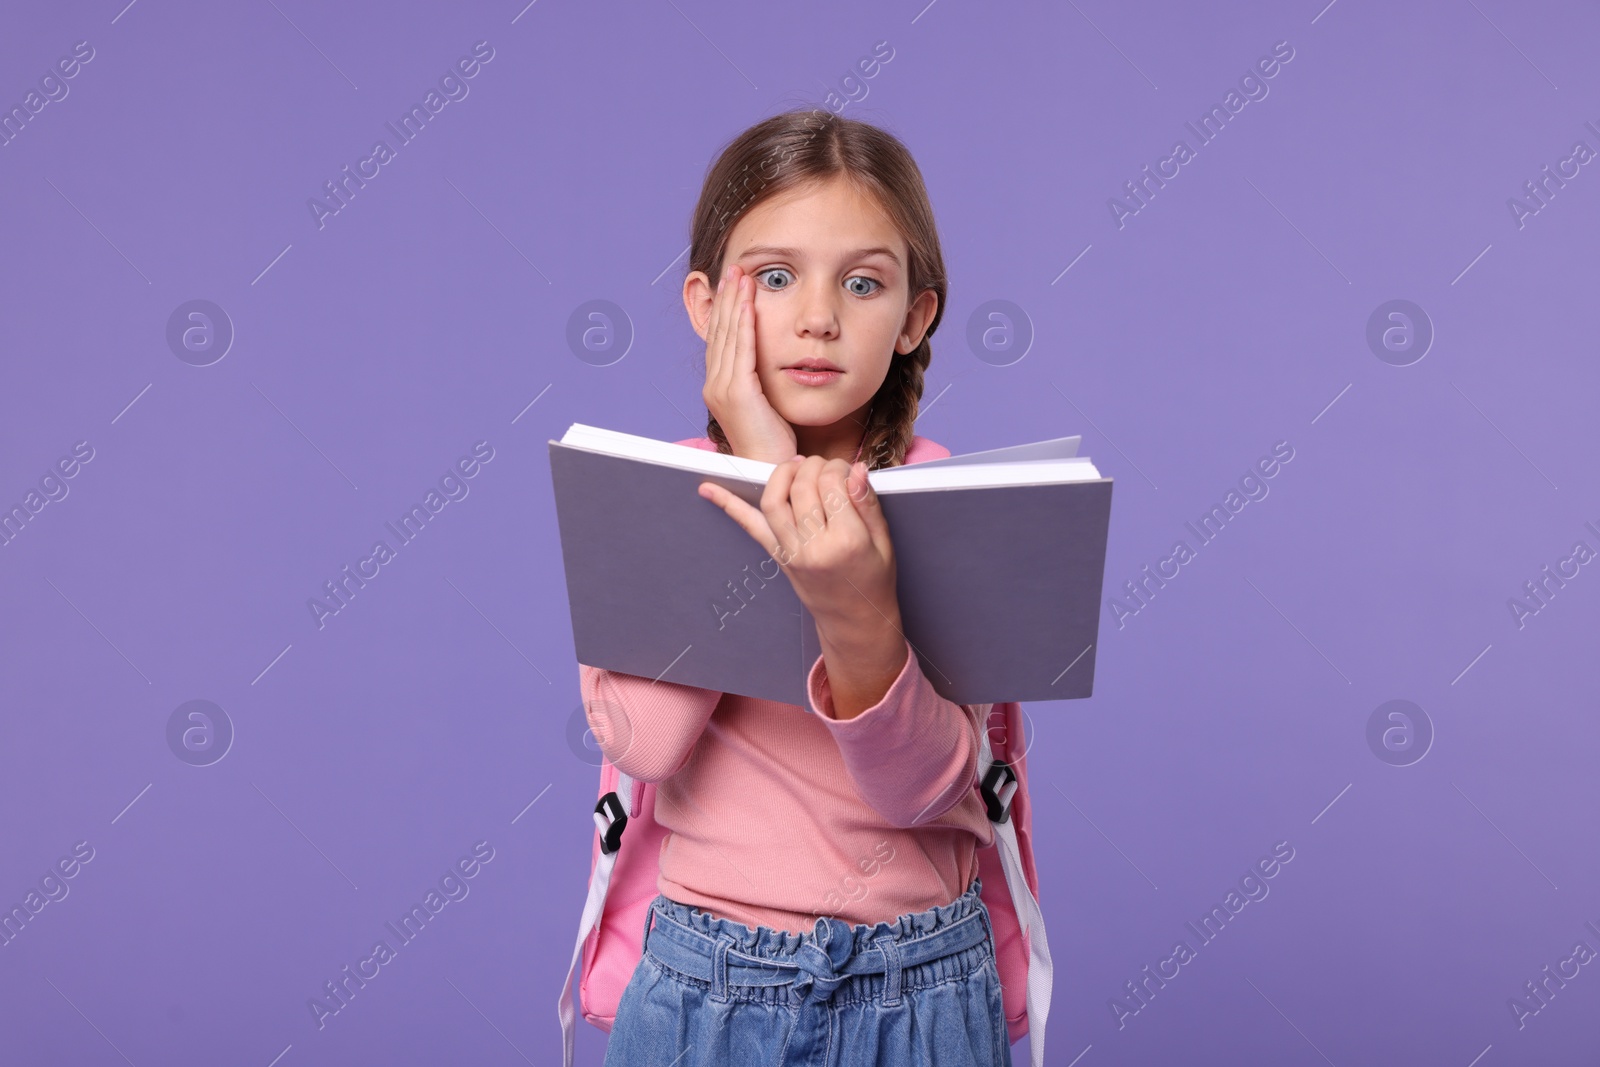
<point x="719" y="969"/>
<point x="649" y="913"/>
<point x="891" y="970"/>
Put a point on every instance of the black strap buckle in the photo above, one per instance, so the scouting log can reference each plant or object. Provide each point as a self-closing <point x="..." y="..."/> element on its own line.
<point x="991" y="786"/>
<point x="611" y="840"/>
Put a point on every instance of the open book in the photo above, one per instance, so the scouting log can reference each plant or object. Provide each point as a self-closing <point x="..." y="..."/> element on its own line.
<point x="999" y="560"/>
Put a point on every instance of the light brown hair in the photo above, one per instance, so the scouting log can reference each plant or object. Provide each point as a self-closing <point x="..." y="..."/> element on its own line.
<point x="796" y="148"/>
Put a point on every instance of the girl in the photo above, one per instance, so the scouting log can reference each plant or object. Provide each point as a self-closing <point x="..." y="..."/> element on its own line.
<point x="819" y="900"/>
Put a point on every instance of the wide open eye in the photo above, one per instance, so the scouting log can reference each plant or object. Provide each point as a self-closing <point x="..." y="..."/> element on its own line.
<point x="876" y="285"/>
<point x="771" y="271"/>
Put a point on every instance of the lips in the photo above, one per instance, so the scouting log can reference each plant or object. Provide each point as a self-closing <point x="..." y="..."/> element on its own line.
<point x="814" y="365"/>
<point x="813" y="377"/>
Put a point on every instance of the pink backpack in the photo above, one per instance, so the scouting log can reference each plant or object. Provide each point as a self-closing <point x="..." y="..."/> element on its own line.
<point x="622" y="884"/>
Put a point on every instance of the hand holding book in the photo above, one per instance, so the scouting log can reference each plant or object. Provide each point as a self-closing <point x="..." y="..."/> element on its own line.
<point x="821" y="522"/>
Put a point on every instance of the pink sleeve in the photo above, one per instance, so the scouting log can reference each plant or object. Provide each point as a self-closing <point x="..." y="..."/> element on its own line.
<point x="645" y="727"/>
<point x="914" y="754"/>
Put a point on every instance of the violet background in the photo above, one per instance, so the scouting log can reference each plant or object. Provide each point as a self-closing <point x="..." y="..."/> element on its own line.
<point x="433" y="311"/>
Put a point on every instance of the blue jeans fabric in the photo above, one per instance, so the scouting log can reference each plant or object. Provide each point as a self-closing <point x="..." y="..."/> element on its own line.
<point x="923" y="989"/>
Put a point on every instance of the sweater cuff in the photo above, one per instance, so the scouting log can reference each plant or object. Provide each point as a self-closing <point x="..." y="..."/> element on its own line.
<point x="900" y="691"/>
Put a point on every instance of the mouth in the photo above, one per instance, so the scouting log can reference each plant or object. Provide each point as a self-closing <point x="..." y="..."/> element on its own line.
<point x="819" y="372"/>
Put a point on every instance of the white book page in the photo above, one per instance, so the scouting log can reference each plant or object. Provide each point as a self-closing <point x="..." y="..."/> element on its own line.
<point x="1030" y="472"/>
<point x="933" y="475"/>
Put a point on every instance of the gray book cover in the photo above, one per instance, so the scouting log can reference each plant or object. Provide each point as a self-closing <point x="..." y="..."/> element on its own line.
<point x="999" y="585"/>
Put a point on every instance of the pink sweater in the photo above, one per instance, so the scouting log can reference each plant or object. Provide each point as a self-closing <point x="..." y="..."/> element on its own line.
<point x="777" y="814"/>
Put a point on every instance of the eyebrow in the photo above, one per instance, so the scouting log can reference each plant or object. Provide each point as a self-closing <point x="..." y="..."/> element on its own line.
<point x="794" y="253"/>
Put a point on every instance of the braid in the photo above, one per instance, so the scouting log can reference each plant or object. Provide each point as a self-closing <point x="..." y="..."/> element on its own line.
<point x="892" y="422"/>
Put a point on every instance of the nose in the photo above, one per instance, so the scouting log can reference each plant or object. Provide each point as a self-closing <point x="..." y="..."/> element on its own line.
<point x="818" y="314"/>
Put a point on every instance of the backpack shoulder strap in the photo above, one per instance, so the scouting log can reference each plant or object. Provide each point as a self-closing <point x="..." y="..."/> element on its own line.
<point x="610" y="817"/>
<point x="998" y="783"/>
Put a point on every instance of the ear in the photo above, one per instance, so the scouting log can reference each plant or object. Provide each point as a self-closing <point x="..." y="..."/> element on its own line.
<point x="698" y="296"/>
<point x="918" y="315"/>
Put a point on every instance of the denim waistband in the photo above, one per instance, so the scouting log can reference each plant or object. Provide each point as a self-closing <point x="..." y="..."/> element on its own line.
<point x="724" y="952"/>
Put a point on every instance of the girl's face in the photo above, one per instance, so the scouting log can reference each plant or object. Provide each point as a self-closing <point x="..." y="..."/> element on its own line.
<point x="830" y="276"/>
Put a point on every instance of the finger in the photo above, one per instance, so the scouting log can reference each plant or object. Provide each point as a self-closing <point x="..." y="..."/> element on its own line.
<point x="869" y="508"/>
<point x="812" y="517"/>
<point x="729" y="343"/>
<point x="750" y="519"/>
<point x="728" y="338"/>
<point x="834" y="492"/>
<point x="716" y="344"/>
<point x="744" y="340"/>
<point x="778" y="512"/>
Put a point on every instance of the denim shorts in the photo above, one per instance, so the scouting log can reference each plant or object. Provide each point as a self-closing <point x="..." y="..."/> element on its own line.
<point x="923" y="988"/>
